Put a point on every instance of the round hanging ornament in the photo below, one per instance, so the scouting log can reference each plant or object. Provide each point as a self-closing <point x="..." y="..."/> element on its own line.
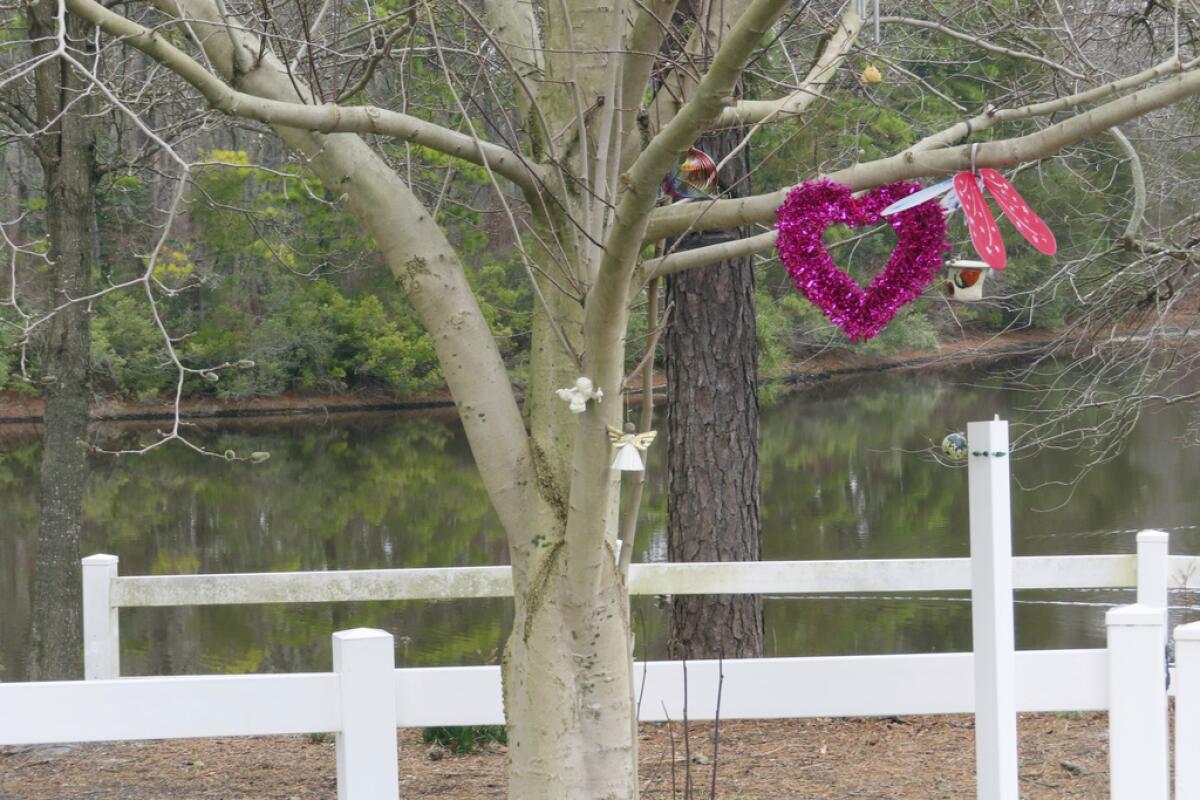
<point x="954" y="447"/>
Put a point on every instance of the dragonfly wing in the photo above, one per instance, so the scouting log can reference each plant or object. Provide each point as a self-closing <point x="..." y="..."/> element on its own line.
<point x="985" y="234"/>
<point x="915" y="199"/>
<point x="1029" y="224"/>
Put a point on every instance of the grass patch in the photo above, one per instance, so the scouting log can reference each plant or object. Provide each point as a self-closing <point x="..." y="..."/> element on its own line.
<point x="464" y="738"/>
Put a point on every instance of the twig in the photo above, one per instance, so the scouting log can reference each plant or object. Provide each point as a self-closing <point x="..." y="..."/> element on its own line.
<point x="717" y="726"/>
<point x="648" y="358"/>
<point x="671" y="734"/>
<point x="629" y="522"/>
<point x="637" y="711"/>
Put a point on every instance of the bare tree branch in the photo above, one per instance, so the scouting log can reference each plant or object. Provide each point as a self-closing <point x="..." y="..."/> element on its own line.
<point x="325" y="118"/>
<point x="821" y="74"/>
<point x="915" y="163"/>
<point x="1138" y="212"/>
<point x="982" y="43"/>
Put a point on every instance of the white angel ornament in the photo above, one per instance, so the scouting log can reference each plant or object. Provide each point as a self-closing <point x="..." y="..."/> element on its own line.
<point x="579" y="394"/>
<point x="630" y="447"/>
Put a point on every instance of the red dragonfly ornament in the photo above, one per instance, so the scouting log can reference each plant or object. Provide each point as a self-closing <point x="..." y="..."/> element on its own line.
<point x="966" y="189"/>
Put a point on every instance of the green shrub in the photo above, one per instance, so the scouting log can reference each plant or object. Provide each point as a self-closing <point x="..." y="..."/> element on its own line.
<point x="464" y="738"/>
<point x="128" y="351"/>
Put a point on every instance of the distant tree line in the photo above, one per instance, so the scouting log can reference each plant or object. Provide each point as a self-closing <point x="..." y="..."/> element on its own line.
<point x="265" y="267"/>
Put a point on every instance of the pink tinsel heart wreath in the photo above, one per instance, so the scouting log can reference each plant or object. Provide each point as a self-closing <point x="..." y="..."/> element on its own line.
<point x="812" y="207"/>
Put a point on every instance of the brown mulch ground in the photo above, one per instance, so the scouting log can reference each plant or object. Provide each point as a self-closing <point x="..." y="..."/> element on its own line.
<point x="911" y="758"/>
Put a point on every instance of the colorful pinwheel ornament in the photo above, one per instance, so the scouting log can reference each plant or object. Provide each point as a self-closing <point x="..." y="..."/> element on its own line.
<point x="966" y="190"/>
<point x="694" y="179"/>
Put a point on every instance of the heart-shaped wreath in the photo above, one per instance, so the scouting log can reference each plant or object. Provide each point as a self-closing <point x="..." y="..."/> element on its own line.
<point x="812" y="207"/>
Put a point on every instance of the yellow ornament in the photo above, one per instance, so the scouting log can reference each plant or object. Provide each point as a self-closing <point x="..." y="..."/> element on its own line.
<point x="871" y="74"/>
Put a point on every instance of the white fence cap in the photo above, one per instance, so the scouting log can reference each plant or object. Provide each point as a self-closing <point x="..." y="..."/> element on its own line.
<point x="100" y="558"/>
<point x="1136" y="614"/>
<point x="361" y="633"/>
<point x="1152" y="536"/>
<point x="1188" y="633"/>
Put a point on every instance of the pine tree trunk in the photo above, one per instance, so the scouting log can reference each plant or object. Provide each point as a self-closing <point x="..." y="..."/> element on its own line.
<point x="65" y="150"/>
<point x="712" y="432"/>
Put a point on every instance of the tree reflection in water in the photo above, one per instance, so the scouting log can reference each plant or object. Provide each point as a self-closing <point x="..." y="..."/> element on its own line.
<point x="387" y="490"/>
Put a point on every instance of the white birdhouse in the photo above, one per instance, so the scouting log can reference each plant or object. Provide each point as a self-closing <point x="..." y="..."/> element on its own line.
<point x="965" y="281"/>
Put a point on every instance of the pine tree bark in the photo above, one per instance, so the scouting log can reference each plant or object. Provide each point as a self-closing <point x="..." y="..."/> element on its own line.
<point x="65" y="150"/>
<point x="712" y="433"/>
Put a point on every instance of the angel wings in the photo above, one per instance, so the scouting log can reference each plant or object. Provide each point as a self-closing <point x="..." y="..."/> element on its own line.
<point x="639" y="440"/>
<point x="628" y="445"/>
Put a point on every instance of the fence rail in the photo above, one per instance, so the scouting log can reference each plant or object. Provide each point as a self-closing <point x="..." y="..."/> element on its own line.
<point x="364" y="699"/>
<point x="761" y="577"/>
<point x="105" y="590"/>
<point x="767" y="688"/>
<point x="168" y="708"/>
<point x="787" y="688"/>
<point x="356" y="701"/>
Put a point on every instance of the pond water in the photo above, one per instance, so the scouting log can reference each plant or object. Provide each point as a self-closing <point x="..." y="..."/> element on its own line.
<point x="840" y="480"/>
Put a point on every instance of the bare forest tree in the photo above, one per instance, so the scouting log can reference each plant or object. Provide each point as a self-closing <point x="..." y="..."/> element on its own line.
<point x="53" y="121"/>
<point x="575" y="112"/>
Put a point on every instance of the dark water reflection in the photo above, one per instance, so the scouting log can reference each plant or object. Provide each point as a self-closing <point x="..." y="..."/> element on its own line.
<point x="384" y="490"/>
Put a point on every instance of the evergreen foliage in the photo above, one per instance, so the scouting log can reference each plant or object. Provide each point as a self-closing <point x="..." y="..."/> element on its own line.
<point x="268" y="268"/>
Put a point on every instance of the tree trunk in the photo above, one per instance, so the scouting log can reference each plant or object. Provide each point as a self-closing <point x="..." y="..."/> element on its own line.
<point x="568" y="684"/>
<point x="65" y="149"/>
<point x="568" y="688"/>
<point x="712" y="434"/>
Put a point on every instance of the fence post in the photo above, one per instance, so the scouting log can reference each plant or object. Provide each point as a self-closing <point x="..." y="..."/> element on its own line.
<point x="1187" y="710"/>
<point x="992" y="612"/>
<point x="367" y="764"/>
<point x="1139" y="760"/>
<point x="101" y="631"/>
<point x="1152" y="566"/>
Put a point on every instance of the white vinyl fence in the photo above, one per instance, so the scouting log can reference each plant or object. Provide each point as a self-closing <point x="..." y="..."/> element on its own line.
<point x="357" y="701"/>
<point x="1187" y="711"/>
<point x="364" y="700"/>
<point x="1128" y="678"/>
